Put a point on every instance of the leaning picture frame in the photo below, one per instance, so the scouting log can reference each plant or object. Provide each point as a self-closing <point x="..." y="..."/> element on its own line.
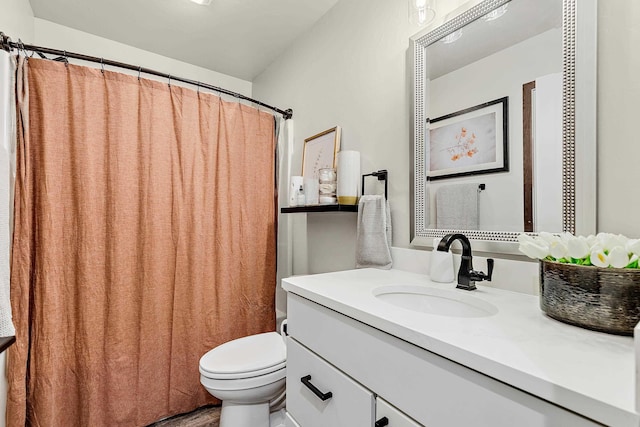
<point x="472" y="141"/>
<point x="320" y="152"/>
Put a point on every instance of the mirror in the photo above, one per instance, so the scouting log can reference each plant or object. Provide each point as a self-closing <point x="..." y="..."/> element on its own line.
<point x="504" y="124"/>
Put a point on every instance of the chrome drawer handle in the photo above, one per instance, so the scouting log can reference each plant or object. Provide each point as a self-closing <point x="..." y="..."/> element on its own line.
<point x="384" y="421"/>
<point x="322" y="396"/>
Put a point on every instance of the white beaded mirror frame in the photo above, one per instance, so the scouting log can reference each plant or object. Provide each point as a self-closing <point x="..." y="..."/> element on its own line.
<point x="579" y="35"/>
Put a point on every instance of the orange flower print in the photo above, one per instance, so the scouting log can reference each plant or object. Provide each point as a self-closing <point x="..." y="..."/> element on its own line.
<point x="464" y="146"/>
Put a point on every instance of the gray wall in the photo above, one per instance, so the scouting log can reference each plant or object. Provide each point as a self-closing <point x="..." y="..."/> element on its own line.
<point x="351" y="70"/>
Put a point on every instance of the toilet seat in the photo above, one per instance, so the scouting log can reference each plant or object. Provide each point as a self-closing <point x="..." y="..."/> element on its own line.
<point x="246" y="383"/>
<point x="248" y="357"/>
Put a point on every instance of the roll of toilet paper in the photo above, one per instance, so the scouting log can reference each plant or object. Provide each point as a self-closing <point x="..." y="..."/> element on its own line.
<point x="348" y="177"/>
<point x="295" y="183"/>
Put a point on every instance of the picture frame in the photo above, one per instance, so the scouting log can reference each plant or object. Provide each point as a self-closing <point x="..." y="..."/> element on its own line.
<point x="472" y="141"/>
<point x="320" y="152"/>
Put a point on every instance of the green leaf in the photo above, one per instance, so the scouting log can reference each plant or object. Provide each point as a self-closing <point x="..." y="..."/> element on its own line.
<point x="633" y="264"/>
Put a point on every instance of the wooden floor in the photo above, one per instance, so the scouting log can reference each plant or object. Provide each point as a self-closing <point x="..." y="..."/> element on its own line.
<point x="208" y="416"/>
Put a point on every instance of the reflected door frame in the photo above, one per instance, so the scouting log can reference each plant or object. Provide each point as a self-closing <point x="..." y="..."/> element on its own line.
<point x="528" y="137"/>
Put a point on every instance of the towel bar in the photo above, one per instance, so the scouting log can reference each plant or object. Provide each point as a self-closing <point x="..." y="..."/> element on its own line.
<point x="382" y="175"/>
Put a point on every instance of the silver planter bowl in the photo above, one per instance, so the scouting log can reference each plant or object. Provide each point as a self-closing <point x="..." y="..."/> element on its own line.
<point x="602" y="299"/>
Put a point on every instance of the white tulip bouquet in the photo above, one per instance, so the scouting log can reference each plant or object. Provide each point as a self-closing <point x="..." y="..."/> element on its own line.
<point x="603" y="250"/>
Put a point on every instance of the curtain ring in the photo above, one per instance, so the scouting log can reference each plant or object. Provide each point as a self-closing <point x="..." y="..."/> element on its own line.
<point x="102" y="65"/>
<point x="21" y="47"/>
<point x="139" y="71"/>
<point x="66" y="60"/>
<point x="198" y="86"/>
<point x="169" y="83"/>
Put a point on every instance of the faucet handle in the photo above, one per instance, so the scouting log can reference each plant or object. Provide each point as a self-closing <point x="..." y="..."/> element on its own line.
<point x="489" y="269"/>
<point x="480" y="276"/>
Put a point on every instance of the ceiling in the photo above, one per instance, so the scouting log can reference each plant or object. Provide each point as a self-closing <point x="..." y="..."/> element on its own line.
<point x="240" y="38"/>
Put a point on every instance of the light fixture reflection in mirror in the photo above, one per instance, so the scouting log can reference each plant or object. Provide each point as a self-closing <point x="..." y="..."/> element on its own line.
<point x="496" y="13"/>
<point x="422" y="12"/>
<point x="452" y="37"/>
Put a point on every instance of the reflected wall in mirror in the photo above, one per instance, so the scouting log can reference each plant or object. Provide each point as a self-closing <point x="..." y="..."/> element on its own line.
<point x="495" y="122"/>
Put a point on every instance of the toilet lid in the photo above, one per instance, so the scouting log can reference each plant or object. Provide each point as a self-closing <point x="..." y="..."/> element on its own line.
<point x="245" y="357"/>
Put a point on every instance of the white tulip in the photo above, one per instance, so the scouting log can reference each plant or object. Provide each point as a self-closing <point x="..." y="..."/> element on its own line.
<point x="578" y="247"/>
<point x="633" y="246"/>
<point x="525" y="238"/>
<point x="558" y="249"/>
<point x="610" y="241"/>
<point x="548" y="237"/>
<point x="603" y="240"/>
<point x="621" y="240"/>
<point x="534" y="249"/>
<point x="592" y="240"/>
<point x="567" y="237"/>
<point x="599" y="258"/>
<point x="618" y="257"/>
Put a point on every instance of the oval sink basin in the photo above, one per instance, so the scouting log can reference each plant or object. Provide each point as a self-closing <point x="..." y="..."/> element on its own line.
<point x="441" y="302"/>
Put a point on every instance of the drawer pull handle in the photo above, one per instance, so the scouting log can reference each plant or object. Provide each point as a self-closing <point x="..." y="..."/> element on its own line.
<point x="322" y="396"/>
<point x="384" y="421"/>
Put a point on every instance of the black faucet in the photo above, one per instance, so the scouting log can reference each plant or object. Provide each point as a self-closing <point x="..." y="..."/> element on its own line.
<point x="467" y="276"/>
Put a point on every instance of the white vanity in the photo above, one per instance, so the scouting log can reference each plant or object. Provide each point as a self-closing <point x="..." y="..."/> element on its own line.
<point x="389" y="360"/>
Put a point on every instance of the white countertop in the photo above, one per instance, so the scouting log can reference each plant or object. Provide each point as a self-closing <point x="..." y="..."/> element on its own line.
<point x="590" y="373"/>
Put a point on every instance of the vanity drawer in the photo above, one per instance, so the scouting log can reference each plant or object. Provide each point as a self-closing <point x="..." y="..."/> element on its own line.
<point x="387" y="415"/>
<point x="349" y="405"/>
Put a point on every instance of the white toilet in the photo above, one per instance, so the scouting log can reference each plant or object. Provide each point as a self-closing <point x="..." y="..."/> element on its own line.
<point x="248" y="375"/>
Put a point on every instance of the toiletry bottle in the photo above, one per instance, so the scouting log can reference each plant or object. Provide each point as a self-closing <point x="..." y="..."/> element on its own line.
<point x="441" y="266"/>
<point x="300" y="196"/>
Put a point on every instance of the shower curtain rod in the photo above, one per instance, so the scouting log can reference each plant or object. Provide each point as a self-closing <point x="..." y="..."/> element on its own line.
<point x="8" y="45"/>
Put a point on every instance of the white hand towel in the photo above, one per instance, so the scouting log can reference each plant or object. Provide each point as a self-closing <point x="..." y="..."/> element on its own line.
<point x="457" y="207"/>
<point x="373" y="248"/>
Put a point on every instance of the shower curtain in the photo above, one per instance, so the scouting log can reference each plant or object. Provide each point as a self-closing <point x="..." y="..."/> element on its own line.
<point x="144" y="236"/>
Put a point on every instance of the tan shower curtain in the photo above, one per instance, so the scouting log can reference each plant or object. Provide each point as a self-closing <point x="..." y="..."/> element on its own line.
<point x="144" y="237"/>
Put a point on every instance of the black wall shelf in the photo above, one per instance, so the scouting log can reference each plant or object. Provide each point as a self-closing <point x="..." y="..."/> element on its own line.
<point x="320" y="208"/>
<point x="5" y="342"/>
<point x="382" y="175"/>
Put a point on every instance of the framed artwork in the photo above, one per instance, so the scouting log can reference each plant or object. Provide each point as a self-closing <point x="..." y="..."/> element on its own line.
<point x="320" y="152"/>
<point x="472" y="141"/>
